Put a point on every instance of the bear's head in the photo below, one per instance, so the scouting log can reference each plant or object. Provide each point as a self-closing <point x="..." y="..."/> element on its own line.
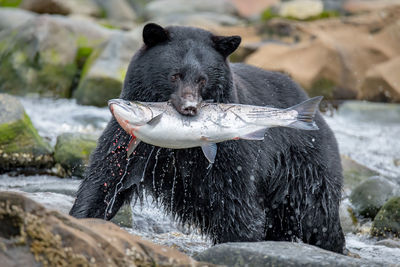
<point x="182" y="64"/>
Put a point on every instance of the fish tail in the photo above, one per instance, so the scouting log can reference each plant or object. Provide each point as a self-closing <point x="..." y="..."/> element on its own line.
<point x="306" y="112"/>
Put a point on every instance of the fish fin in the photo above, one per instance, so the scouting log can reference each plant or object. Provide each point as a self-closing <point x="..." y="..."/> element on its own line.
<point x="257" y="135"/>
<point x="305" y="114"/>
<point x="132" y="145"/>
<point x="210" y="151"/>
<point x="154" y="121"/>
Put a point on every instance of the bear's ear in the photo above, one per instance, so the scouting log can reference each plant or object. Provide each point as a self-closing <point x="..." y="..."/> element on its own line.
<point x="226" y="45"/>
<point x="154" y="34"/>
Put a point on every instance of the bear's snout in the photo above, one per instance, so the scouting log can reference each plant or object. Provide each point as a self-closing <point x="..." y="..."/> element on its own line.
<point x="187" y="104"/>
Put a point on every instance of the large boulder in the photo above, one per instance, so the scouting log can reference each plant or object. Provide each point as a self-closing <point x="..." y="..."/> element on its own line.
<point x="20" y="144"/>
<point x="301" y="9"/>
<point x="30" y="235"/>
<point x="382" y="82"/>
<point x="371" y="195"/>
<point x="387" y="221"/>
<point x="84" y="7"/>
<point x="104" y="71"/>
<point x="72" y="152"/>
<point x="117" y="11"/>
<point x="34" y="60"/>
<point x="14" y="17"/>
<point x="331" y="57"/>
<point x="277" y="254"/>
<point x="252" y="8"/>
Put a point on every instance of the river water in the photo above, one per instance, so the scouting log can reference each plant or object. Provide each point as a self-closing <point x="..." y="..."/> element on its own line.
<point x="366" y="132"/>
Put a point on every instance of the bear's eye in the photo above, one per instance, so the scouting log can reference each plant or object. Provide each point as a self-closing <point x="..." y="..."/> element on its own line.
<point x="175" y="77"/>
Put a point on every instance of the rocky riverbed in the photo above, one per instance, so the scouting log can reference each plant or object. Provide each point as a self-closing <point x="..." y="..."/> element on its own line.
<point x="52" y="109"/>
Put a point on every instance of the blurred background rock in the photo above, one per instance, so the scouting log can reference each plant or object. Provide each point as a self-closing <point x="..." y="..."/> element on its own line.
<point x="61" y="60"/>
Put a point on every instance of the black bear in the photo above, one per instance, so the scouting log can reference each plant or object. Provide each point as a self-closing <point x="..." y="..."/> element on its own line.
<point x="287" y="187"/>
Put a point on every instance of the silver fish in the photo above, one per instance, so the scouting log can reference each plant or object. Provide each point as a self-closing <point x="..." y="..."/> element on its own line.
<point x="159" y="124"/>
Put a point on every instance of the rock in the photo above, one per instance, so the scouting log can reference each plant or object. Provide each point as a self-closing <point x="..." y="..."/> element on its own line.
<point x="118" y="11"/>
<point x="370" y="195"/>
<point x="301" y="9"/>
<point x="387" y="221"/>
<point x="273" y="253"/>
<point x="390" y="243"/>
<point x="331" y="57"/>
<point x="163" y="8"/>
<point x="382" y="82"/>
<point x="14" y="17"/>
<point x="20" y="144"/>
<point x="30" y="235"/>
<point x="84" y="7"/>
<point x="252" y="8"/>
<point x="33" y="60"/>
<point x="72" y="152"/>
<point x="354" y="173"/>
<point x="10" y="3"/>
<point x="104" y="71"/>
<point x="362" y="6"/>
<point x="347" y="219"/>
<point x="124" y="216"/>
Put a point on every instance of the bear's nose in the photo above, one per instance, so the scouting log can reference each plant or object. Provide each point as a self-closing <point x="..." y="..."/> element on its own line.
<point x="190" y="111"/>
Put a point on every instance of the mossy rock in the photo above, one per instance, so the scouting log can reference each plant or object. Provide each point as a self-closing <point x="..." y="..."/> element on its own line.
<point x="20" y="144"/>
<point x="10" y="3"/>
<point x="354" y="173"/>
<point x="387" y="221"/>
<point x="33" y="59"/>
<point x="104" y="72"/>
<point x="371" y="195"/>
<point x="72" y="152"/>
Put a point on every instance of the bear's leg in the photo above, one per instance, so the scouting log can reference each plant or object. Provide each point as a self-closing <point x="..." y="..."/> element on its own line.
<point x="105" y="188"/>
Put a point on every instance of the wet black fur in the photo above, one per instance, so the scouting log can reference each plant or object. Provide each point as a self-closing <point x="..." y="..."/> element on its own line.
<point x="286" y="187"/>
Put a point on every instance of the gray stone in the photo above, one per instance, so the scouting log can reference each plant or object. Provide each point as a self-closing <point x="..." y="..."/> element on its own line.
<point x="20" y="144"/>
<point x="390" y="243"/>
<point x="118" y="12"/>
<point x="277" y="254"/>
<point x="104" y="71"/>
<point x="369" y="196"/>
<point x="161" y="8"/>
<point x="14" y="17"/>
<point x="347" y="219"/>
<point x="124" y="216"/>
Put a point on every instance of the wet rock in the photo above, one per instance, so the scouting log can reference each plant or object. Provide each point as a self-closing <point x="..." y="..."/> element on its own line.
<point x="277" y="254"/>
<point x="124" y="216"/>
<point x="354" y="173"/>
<point x="104" y="71"/>
<point x="387" y="221"/>
<point x="390" y="243"/>
<point x="72" y="152"/>
<point x="301" y="9"/>
<point x="20" y="144"/>
<point x="347" y="219"/>
<point x="331" y="57"/>
<point x="371" y="195"/>
<point x="30" y="235"/>
<point x="382" y="82"/>
<point x="14" y="17"/>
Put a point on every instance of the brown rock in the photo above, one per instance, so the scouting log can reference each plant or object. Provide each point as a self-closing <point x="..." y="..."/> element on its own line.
<point x="360" y="6"/>
<point x="252" y="8"/>
<point x="331" y="57"/>
<point x="382" y="82"/>
<point x="30" y="235"/>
